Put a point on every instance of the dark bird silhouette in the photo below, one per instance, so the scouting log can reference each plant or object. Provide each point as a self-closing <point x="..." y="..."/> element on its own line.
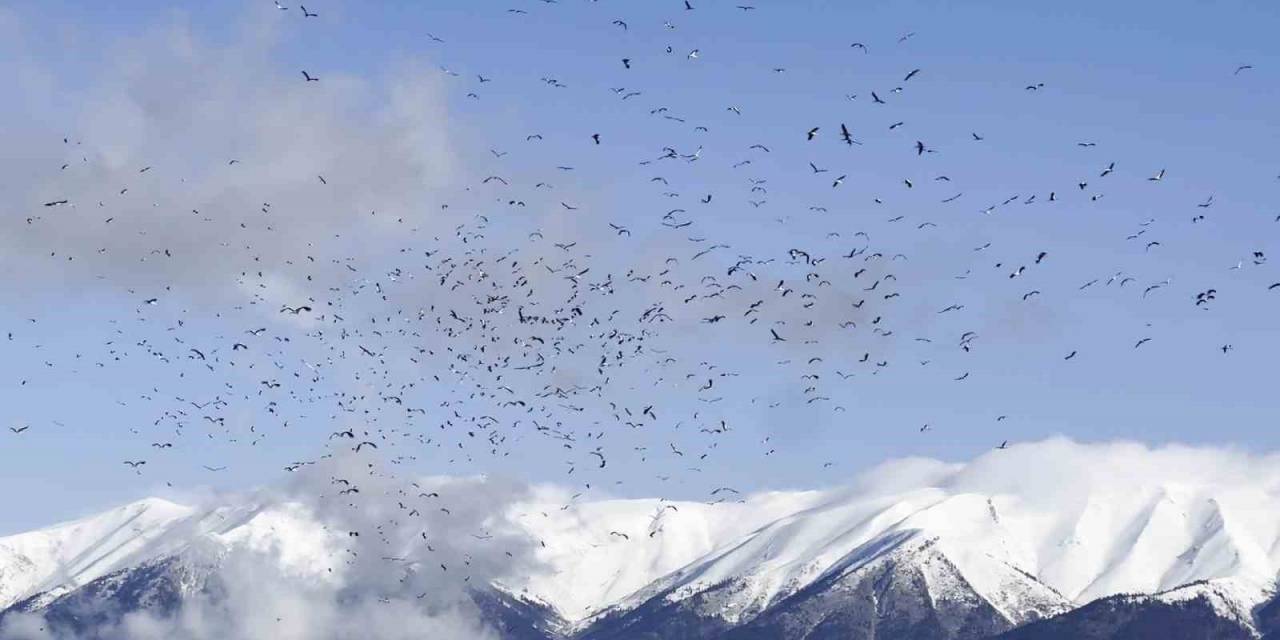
<point x="845" y="135"/>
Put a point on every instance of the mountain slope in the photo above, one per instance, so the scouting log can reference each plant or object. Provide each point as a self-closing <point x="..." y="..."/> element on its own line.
<point x="1003" y="553"/>
<point x="912" y="591"/>
<point x="156" y="586"/>
<point x="595" y="554"/>
<point x="1038" y="537"/>
<point x="75" y="553"/>
<point x="159" y="588"/>
<point x="896" y="588"/>
<point x="1220" y="610"/>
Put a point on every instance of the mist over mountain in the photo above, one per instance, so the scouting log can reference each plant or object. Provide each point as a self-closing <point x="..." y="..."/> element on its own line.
<point x="1039" y="540"/>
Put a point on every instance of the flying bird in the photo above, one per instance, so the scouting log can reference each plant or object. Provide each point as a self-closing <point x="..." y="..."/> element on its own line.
<point x="845" y="135"/>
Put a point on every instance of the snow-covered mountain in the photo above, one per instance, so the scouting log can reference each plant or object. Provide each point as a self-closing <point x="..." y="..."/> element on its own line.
<point x="949" y="554"/>
<point x="67" y="556"/>
<point x="1038" y="544"/>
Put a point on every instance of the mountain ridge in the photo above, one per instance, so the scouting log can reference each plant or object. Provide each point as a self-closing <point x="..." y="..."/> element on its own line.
<point x="912" y="549"/>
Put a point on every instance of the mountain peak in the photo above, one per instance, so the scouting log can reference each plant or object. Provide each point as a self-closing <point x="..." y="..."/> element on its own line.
<point x="1000" y="542"/>
<point x="73" y="553"/>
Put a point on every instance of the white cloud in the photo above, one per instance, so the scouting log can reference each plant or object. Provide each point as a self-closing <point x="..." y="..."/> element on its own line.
<point x="187" y="108"/>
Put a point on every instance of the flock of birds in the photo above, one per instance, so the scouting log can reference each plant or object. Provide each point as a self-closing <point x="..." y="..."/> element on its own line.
<point x="479" y="341"/>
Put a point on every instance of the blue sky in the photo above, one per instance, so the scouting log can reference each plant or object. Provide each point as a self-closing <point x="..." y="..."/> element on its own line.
<point x="159" y="84"/>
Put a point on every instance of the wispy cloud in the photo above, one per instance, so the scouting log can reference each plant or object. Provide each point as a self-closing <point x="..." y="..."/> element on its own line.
<point x="203" y="164"/>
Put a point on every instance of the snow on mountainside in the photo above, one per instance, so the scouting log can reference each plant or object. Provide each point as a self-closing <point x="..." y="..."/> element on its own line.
<point x="1028" y="545"/>
<point x="1132" y="540"/>
<point x="1219" y="609"/>
<point x="1016" y="536"/>
<point x="597" y="553"/>
<point x="588" y="562"/>
<point x="74" y="553"/>
<point x="1230" y="599"/>
<point x="61" y="558"/>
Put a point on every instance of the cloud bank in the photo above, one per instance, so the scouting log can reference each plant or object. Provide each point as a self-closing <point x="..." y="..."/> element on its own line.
<point x="210" y="165"/>
<point x="1063" y="469"/>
